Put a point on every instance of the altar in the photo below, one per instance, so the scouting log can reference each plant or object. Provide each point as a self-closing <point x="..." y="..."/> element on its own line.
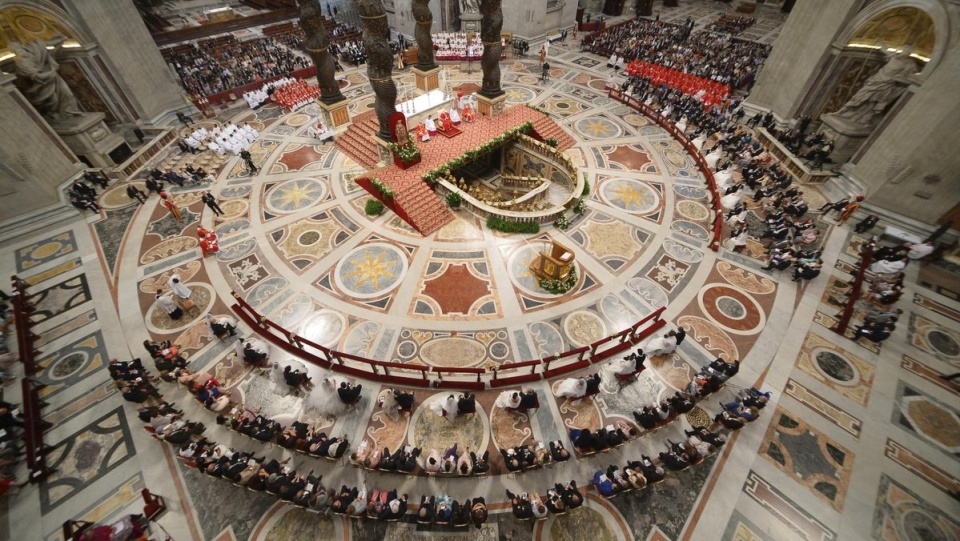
<point x="419" y="108"/>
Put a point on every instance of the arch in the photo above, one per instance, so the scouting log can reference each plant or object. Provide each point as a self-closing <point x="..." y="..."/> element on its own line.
<point x="37" y="20"/>
<point x="932" y="8"/>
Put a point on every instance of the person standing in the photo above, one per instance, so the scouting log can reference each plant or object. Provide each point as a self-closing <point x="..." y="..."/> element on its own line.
<point x="248" y="159"/>
<point x="211" y="202"/>
<point x="136" y="193"/>
<point x="171" y="205"/>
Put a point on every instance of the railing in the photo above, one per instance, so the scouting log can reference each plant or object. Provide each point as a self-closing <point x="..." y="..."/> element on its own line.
<point x="33" y="423"/>
<point x="418" y="375"/>
<point x="556" y="158"/>
<point x="691" y="150"/>
<point x="239" y="23"/>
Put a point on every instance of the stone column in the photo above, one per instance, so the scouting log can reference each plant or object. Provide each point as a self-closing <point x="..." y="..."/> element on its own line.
<point x="426" y="71"/>
<point x="335" y="107"/>
<point x="909" y="165"/>
<point x="376" y="36"/>
<point x="798" y="55"/>
<point x="424" y="18"/>
<point x="317" y="43"/>
<point x="131" y="55"/>
<point x="491" y="98"/>
<point x="34" y="161"/>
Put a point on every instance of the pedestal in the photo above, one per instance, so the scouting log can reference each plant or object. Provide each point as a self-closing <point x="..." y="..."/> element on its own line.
<point x="847" y="136"/>
<point x="491" y="106"/>
<point x="383" y="151"/>
<point x="470" y="22"/>
<point x="337" y="114"/>
<point x="427" y="80"/>
<point x="90" y="139"/>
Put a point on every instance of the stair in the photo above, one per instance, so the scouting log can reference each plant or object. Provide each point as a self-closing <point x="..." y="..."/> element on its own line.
<point x="547" y="128"/>
<point x="356" y="142"/>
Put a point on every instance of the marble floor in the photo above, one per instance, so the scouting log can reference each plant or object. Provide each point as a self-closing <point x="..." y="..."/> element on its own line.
<point x="858" y="443"/>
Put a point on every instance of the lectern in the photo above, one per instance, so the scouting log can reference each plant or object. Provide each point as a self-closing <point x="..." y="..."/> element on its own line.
<point x="555" y="265"/>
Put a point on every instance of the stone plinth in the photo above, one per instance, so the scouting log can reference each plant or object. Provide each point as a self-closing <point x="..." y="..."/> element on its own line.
<point x="427" y="80"/>
<point x="491" y="106"/>
<point x="847" y="136"/>
<point x="383" y="151"/>
<point x="470" y="22"/>
<point x="89" y="137"/>
<point x="336" y="115"/>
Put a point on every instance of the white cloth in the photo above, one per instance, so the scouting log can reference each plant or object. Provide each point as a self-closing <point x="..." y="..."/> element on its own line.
<point x="887" y="267"/>
<point x="731" y="200"/>
<point x="659" y="345"/>
<point x="623" y="367"/>
<point x="506" y="400"/>
<point x="713" y="157"/>
<point x="178" y="288"/>
<point x="919" y="251"/>
<point x="448" y="405"/>
<point x="166" y="304"/>
<point x="454" y="116"/>
<point x="324" y="398"/>
<point x="388" y="403"/>
<point x="723" y="179"/>
<point x="430" y="124"/>
<point x="699" y="141"/>
<point x="572" y="387"/>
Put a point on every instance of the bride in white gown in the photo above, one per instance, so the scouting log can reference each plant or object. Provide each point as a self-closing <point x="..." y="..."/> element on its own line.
<point x="572" y="387"/>
<point x="714" y="156"/>
<point x="324" y="398"/>
<point x="446" y="406"/>
<point x="660" y="345"/>
<point x="731" y="200"/>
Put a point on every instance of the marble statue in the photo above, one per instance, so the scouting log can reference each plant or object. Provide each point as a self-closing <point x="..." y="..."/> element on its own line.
<point x="40" y="83"/>
<point x="316" y="43"/>
<point x="470" y="6"/>
<point x="879" y="91"/>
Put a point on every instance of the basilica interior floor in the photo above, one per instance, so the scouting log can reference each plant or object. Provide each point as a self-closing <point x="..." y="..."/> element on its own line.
<point x="858" y="443"/>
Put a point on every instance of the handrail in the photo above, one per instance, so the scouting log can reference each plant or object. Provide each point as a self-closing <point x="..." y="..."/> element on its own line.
<point x="33" y="423"/>
<point x="691" y="150"/>
<point x="479" y="378"/>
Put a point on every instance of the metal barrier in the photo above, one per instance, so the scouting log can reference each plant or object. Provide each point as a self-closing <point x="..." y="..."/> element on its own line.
<point x="472" y="379"/>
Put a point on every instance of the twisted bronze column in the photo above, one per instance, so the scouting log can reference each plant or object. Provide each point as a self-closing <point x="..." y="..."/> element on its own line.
<point x="424" y="18"/>
<point x="490" y="26"/>
<point x="376" y="42"/>
<point x="317" y="43"/>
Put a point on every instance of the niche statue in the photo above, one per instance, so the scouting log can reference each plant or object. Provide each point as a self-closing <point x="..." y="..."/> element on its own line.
<point x="39" y="81"/>
<point x="880" y="90"/>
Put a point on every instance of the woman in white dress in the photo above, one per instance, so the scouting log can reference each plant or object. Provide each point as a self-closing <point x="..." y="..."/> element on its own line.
<point x="660" y="345"/>
<point x="714" y="157"/>
<point x="324" y="398"/>
<point x="699" y="141"/>
<point x="887" y="267"/>
<point x="731" y="200"/>
<point x="682" y="124"/>
<point x="723" y="179"/>
<point x="388" y="403"/>
<point x="446" y="407"/>
<point x="508" y="399"/>
<point x="276" y="377"/>
<point x="572" y="388"/>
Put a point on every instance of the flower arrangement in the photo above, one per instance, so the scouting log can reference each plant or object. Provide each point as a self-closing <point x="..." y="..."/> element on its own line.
<point x="443" y="170"/>
<point x="552" y="142"/>
<point x="407" y="152"/>
<point x="386" y="191"/>
<point x="561" y="286"/>
<point x="562" y="222"/>
<point x="580" y="207"/>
